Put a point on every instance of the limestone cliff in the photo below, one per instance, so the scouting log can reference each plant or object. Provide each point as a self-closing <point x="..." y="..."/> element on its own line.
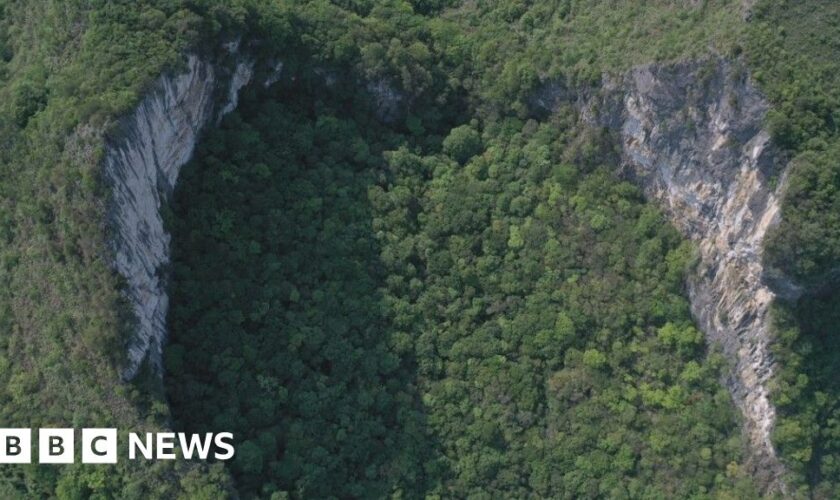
<point x="692" y="135"/>
<point x="142" y="166"/>
<point x="694" y="138"/>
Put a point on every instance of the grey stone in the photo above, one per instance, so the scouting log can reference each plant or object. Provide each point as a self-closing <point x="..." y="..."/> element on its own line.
<point x="142" y="165"/>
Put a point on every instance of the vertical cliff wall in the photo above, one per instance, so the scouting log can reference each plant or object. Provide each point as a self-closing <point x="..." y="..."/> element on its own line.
<point x="142" y="166"/>
<point x="692" y="135"/>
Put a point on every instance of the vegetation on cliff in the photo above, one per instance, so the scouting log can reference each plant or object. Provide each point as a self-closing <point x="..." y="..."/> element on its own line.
<point x="793" y="49"/>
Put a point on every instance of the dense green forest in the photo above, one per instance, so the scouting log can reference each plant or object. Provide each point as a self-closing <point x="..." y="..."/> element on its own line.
<point x="465" y="301"/>
<point x="372" y="320"/>
<point x="66" y="70"/>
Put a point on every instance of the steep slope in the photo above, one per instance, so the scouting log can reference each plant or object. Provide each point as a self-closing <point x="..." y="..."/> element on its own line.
<point x="67" y="71"/>
<point x="153" y="143"/>
<point x="693" y="136"/>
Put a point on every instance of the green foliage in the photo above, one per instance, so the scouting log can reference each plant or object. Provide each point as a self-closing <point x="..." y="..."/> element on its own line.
<point x="29" y="96"/>
<point x="375" y="321"/>
<point x="793" y="50"/>
<point x="517" y="45"/>
<point x="462" y="143"/>
<point x="66" y="70"/>
<point x="808" y="395"/>
<point x="806" y="244"/>
<point x="457" y="305"/>
<point x="276" y="320"/>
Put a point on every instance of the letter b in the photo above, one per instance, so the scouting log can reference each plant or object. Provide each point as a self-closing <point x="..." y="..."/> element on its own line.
<point x="55" y="446"/>
<point x="16" y="446"/>
<point x="13" y="445"/>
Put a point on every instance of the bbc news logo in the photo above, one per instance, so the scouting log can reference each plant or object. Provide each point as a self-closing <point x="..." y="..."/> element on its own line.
<point x="100" y="446"/>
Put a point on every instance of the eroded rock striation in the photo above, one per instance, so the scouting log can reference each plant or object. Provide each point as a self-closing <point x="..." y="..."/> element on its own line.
<point x="142" y="166"/>
<point x="692" y="135"/>
<point x="694" y="138"/>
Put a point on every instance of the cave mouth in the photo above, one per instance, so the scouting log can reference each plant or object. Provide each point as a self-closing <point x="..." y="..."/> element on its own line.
<point x="434" y="307"/>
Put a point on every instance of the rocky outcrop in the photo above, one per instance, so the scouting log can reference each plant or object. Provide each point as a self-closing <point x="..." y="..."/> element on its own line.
<point x="241" y="77"/>
<point x="142" y="166"/>
<point x="691" y="134"/>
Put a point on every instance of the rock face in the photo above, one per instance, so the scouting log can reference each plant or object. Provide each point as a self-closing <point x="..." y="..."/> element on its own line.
<point x="142" y="166"/>
<point x="692" y="135"/>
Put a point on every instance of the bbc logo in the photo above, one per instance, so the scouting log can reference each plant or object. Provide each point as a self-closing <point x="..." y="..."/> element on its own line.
<point x="99" y="446"/>
<point x="56" y="446"/>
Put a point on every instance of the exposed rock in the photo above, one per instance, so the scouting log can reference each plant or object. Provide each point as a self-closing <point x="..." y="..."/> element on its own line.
<point x="747" y="9"/>
<point x="142" y="165"/>
<point x="389" y="101"/>
<point x="692" y="135"/>
<point x="241" y="76"/>
<point x="274" y="75"/>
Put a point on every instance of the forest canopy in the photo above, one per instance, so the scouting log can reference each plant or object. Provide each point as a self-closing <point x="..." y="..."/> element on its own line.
<point x="461" y="299"/>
